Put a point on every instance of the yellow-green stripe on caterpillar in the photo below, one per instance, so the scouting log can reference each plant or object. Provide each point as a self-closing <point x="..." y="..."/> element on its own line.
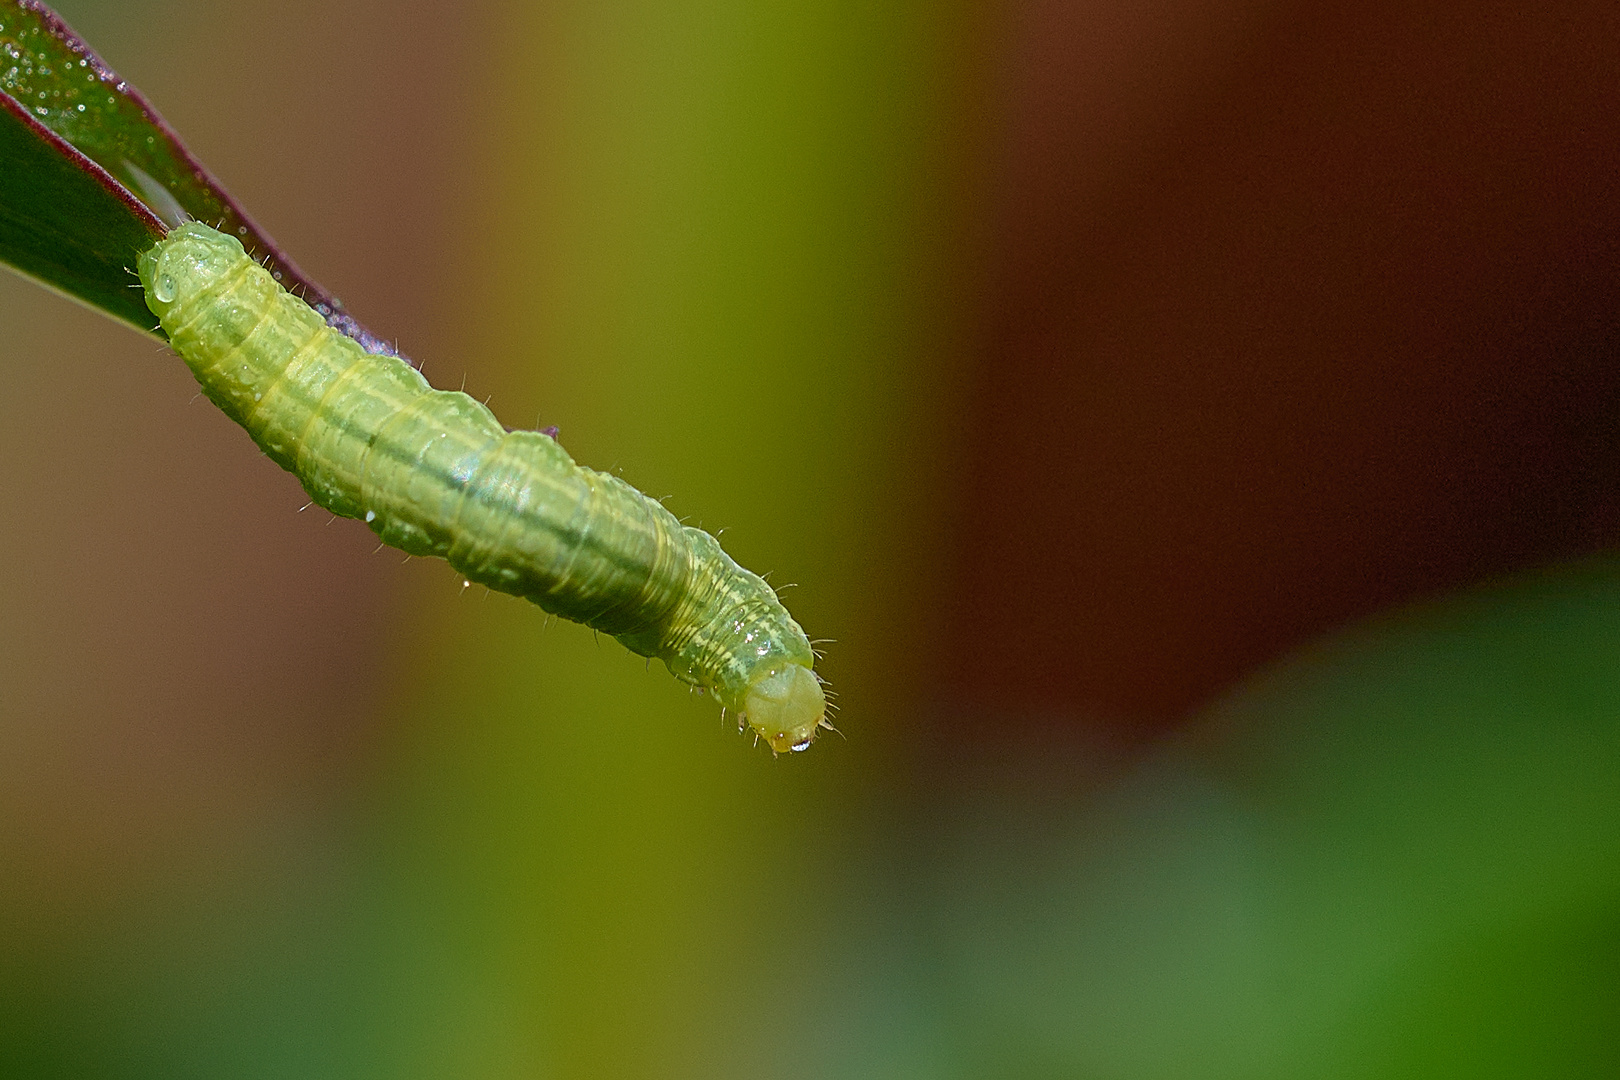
<point x="434" y="473"/>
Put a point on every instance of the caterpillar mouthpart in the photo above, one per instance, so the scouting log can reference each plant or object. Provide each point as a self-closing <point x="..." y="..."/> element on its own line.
<point x="785" y="707"/>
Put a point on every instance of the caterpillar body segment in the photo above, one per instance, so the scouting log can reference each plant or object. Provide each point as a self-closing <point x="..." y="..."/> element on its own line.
<point x="432" y="472"/>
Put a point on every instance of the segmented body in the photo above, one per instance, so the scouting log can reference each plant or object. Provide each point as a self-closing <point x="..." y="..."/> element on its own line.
<point x="432" y="472"/>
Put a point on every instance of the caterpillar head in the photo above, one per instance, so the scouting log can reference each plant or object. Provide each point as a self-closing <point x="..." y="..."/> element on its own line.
<point x="784" y="705"/>
<point x="191" y="257"/>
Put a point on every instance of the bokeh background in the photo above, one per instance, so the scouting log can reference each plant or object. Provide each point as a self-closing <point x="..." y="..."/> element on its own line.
<point x="1197" y="422"/>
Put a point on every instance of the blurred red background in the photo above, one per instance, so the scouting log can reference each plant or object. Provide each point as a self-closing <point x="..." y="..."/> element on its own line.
<point x="1289" y="312"/>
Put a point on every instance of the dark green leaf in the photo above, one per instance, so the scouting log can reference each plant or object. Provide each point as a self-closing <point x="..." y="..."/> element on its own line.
<point x="64" y="221"/>
<point x="66" y="106"/>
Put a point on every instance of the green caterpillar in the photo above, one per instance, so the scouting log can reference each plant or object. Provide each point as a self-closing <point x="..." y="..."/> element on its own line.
<point x="432" y="472"/>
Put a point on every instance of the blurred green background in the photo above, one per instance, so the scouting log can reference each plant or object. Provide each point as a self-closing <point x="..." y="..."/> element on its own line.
<point x="1197" y="424"/>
